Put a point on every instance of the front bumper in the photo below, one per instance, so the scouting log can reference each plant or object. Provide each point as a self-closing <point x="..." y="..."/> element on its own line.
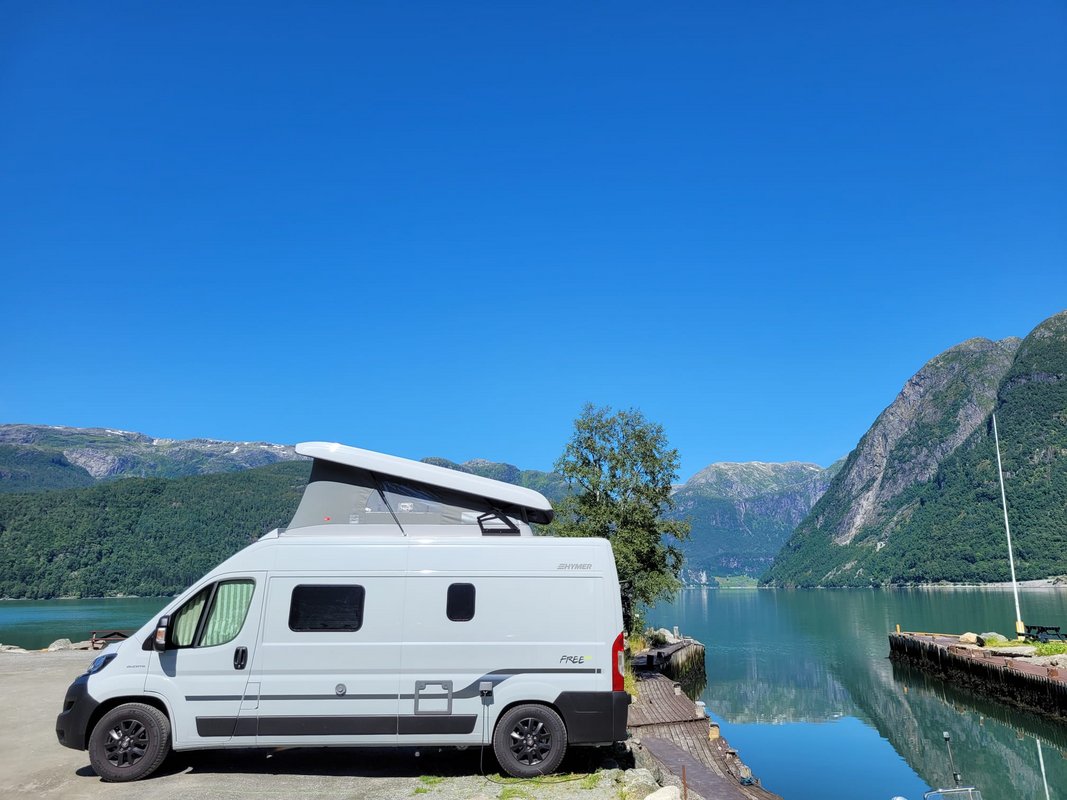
<point x="72" y="724"/>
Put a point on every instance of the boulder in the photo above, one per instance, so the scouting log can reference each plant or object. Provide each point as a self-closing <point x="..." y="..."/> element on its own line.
<point x="1013" y="652"/>
<point x="10" y="648"/>
<point x="969" y="638"/>
<point x="993" y="636"/>
<point x="637" y="784"/>
<point x="665" y="793"/>
<point x="60" y="644"/>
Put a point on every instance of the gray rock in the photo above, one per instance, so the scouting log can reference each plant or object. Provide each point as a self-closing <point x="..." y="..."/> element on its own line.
<point x="665" y="793"/>
<point x="10" y="648"/>
<point x="60" y="644"/>
<point x="993" y="636"/>
<point x="1023" y="650"/>
<point x="637" y="784"/>
<point x="969" y="638"/>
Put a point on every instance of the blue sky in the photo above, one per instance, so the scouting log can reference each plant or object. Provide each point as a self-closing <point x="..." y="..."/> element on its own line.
<point x="441" y="228"/>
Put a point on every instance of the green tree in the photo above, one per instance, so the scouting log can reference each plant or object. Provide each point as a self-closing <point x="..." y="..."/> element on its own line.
<point x="620" y="469"/>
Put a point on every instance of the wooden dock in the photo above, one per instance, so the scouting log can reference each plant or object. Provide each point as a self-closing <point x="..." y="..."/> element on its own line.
<point x="667" y="724"/>
<point x="1011" y="679"/>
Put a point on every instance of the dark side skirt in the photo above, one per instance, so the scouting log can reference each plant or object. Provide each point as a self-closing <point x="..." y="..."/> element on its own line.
<point x="367" y="725"/>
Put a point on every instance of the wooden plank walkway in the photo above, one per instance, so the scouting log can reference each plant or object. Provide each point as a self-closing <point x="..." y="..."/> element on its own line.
<point x="668" y="723"/>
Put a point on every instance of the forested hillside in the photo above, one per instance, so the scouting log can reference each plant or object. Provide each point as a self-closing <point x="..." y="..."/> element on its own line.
<point x="742" y="514"/>
<point x="142" y="536"/>
<point x="155" y="536"/>
<point x="919" y="501"/>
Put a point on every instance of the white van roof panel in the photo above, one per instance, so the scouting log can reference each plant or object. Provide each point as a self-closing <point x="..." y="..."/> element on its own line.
<point x="417" y="471"/>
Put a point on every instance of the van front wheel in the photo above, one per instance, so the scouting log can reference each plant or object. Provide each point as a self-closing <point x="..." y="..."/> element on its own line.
<point x="129" y="742"/>
<point x="529" y="740"/>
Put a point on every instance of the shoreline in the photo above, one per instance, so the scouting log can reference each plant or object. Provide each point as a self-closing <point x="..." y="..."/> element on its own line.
<point x="1053" y="582"/>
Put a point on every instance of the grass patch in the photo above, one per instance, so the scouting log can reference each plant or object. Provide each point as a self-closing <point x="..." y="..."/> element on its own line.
<point x="513" y="793"/>
<point x="1052" y="649"/>
<point x="421" y="790"/>
<point x="431" y="780"/>
<point x="737" y="582"/>
<point x="590" y="781"/>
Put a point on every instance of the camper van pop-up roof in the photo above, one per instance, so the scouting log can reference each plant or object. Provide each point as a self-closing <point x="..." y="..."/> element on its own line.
<point x="355" y="487"/>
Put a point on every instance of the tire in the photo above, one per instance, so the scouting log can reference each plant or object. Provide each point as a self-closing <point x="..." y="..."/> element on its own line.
<point x="529" y="740"/>
<point x="129" y="742"/>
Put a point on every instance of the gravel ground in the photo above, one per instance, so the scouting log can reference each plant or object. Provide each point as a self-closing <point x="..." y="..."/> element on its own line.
<point x="34" y="764"/>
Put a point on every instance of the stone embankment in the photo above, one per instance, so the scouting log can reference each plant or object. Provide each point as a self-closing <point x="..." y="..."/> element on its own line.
<point x="989" y="665"/>
<point x="33" y="764"/>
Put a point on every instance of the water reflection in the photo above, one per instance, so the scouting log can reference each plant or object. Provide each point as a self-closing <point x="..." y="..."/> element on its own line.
<point x="791" y="658"/>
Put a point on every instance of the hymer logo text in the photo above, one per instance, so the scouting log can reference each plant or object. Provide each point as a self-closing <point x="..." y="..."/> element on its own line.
<point x="575" y="566"/>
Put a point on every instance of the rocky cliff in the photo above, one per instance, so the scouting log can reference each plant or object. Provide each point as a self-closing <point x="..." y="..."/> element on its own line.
<point x="742" y="513"/>
<point x="918" y="499"/>
<point x="37" y="457"/>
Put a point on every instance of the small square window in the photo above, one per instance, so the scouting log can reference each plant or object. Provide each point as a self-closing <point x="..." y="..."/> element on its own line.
<point x="326" y="608"/>
<point x="461" y="602"/>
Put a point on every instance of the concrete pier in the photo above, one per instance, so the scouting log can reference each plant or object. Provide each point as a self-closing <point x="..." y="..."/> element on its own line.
<point x="1012" y="679"/>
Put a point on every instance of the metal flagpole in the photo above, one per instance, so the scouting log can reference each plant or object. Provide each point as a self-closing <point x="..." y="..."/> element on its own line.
<point x="1020" y="629"/>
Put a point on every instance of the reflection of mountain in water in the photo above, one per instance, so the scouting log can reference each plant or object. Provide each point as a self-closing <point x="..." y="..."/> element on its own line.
<point x="993" y="744"/>
<point x="1000" y="754"/>
<point x="789" y="656"/>
<point x="772" y="689"/>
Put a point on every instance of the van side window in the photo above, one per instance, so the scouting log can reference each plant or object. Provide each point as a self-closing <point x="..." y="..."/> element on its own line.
<point x="227" y="606"/>
<point x="326" y="608"/>
<point x="183" y="628"/>
<point x="460" y="605"/>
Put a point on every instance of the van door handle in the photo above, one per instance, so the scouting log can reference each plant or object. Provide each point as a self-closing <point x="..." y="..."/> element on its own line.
<point x="240" y="657"/>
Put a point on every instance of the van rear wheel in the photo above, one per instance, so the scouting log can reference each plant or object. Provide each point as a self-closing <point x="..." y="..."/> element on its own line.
<point x="529" y="740"/>
<point x="129" y="742"/>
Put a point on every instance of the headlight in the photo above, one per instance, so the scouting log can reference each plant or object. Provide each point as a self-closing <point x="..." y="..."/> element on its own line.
<point x="99" y="663"/>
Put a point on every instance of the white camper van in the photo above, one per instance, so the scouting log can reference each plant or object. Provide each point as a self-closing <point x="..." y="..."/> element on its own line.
<point x="405" y="604"/>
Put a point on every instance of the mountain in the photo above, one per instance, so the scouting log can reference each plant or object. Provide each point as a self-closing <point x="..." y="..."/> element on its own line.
<point x="550" y="484"/>
<point x="742" y="513"/>
<point x="142" y="536"/>
<point x="918" y="500"/>
<point x="41" y="457"/>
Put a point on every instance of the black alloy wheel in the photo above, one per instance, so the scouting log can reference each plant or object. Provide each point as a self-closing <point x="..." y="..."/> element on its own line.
<point x="529" y="740"/>
<point x="129" y="742"/>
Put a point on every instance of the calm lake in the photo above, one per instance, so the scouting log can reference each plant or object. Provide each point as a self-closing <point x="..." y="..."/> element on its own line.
<point x="34" y="624"/>
<point x="800" y="682"/>
<point x="802" y="686"/>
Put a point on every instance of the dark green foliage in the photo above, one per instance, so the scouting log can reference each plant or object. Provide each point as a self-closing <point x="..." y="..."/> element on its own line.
<point x="742" y="514"/>
<point x="29" y="469"/>
<point x="950" y="528"/>
<point x="620" y="470"/>
<point x="140" y="536"/>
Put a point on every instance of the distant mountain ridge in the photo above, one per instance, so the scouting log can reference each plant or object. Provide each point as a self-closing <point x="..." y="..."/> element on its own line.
<point x="41" y="457"/>
<point x="918" y="500"/>
<point x="742" y="514"/>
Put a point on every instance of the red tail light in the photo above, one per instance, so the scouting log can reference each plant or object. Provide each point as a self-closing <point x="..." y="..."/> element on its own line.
<point x="618" y="664"/>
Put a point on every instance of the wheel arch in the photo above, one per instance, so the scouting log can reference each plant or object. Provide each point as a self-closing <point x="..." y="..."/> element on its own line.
<point x="114" y="702"/>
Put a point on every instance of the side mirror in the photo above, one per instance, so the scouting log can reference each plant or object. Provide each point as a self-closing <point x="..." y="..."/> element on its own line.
<point x="159" y="640"/>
